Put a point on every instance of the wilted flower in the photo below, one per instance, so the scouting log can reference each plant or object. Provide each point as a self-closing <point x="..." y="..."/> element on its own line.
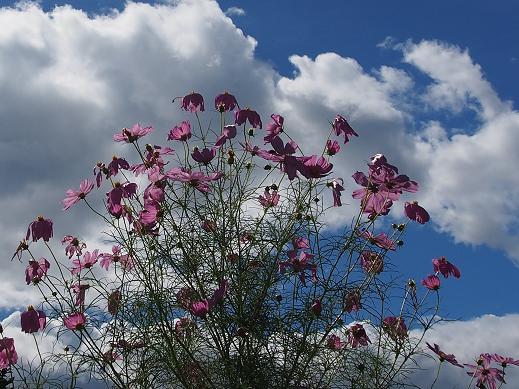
<point x="243" y="115"/>
<point x="8" y="355"/>
<point x="341" y="126"/>
<point x="443" y="356"/>
<point x="75" y="196"/>
<point x="32" y="320"/>
<point x="357" y="336"/>
<point x="414" y="212"/>
<point x="193" y="102"/>
<point x="79" y="290"/>
<point x="36" y="270"/>
<point x="335" y="343"/>
<point x="74" y="246"/>
<point x="181" y="132"/>
<point x="372" y="262"/>
<point x="225" y="102"/>
<point x="395" y="327"/>
<point x="40" y="228"/>
<point x="444" y="267"/>
<point x="432" y="282"/>
<point x="75" y="321"/>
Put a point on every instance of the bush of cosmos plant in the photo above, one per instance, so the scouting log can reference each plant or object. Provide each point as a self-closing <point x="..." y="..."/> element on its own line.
<point x="222" y="273"/>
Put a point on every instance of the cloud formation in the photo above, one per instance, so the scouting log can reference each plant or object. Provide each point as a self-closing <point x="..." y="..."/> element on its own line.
<point x="70" y="81"/>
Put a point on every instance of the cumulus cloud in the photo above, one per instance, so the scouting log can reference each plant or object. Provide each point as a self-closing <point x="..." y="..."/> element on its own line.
<point x="235" y="11"/>
<point x="467" y="340"/>
<point x="70" y="81"/>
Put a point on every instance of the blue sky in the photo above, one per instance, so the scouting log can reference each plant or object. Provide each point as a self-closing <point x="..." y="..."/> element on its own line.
<point x="406" y="100"/>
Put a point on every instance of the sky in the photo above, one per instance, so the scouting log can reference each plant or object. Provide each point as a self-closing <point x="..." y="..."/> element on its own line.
<point x="432" y="85"/>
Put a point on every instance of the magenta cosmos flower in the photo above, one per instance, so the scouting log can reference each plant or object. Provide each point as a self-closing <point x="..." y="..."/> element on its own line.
<point x="36" y="270"/>
<point x="74" y="246"/>
<point x="89" y="260"/>
<point x="335" y="343"/>
<point x="337" y="187"/>
<point x="75" y="321"/>
<point x="282" y="153"/>
<point x="395" y="327"/>
<point x="197" y="180"/>
<point x="115" y="196"/>
<point x="332" y="148"/>
<point x="486" y="376"/>
<point x="504" y="361"/>
<point x="32" y="320"/>
<point x="80" y="291"/>
<point x="441" y="265"/>
<point x="357" y="336"/>
<point x="299" y="265"/>
<point x="341" y="126"/>
<point x="8" y="355"/>
<point x="40" y="228"/>
<point x="316" y="307"/>
<point x="202" y="308"/>
<point x="130" y="135"/>
<point x="443" y="356"/>
<point x="243" y="115"/>
<point x="269" y="199"/>
<point x="225" y="102"/>
<point x="315" y="167"/>
<point x="414" y="212"/>
<point x="116" y="256"/>
<point x="75" y="196"/>
<point x="193" y="102"/>
<point x="381" y="240"/>
<point x="274" y="128"/>
<point x="432" y="282"/>
<point x="205" y="156"/>
<point x="229" y="132"/>
<point x="182" y="132"/>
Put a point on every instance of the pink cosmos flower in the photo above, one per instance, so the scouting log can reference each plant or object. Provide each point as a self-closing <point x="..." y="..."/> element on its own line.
<point x="195" y="179"/>
<point x="131" y="135"/>
<point x="153" y="162"/>
<point x="283" y="153"/>
<point x="89" y="260"/>
<point x="241" y="116"/>
<point x="316" y="307"/>
<point x="299" y="265"/>
<point x="75" y="321"/>
<point x="32" y="320"/>
<point x="414" y="212"/>
<point x="116" y="256"/>
<point x="185" y="296"/>
<point x="372" y="262"/>
<point x="486" y="375"/>
<point x="184" y="326"/>
<point x="229" y="132"/>
<point x="504" y="361"/>
<point x="443" y="356"/>
<point x="381" y="240"/>
<point x="115" y="165"/>
<point x="114" y="301"/>
<point x="444" y="267"/>
<point x="193" y="102"/>
<point x="155" y="191"/>
<point x="274" y="128"/>
<point x="75" y="196"/>
<point x="205" y="156"/>
<point x="337" y="188"/>
<point x="225" y="102"/>
<point x="181" y="132"/>
<point x="115" y="196"/>
<point x="300" y="243"/>
<point x="74" y="246"/>
<point x="36" y="270"/>
<point x="40" y="228"/>
<point x="208" y="225"/>
<point x="315" y="167"/>
<point x="352" y="301"/>
<point x="341" y="126"/>
<point x="432" y="282"/>
<point x="395" y="328"/>
<point x="332" y="148"/>
<point x="150" y="214"/>
<point x="269" y="199"/>
<point x="79" y="290"/>
<point x="8" y="355"/>
<point x="357" y="336"/>
<point x="201" y="308"/>
<point x="335" y="343"/>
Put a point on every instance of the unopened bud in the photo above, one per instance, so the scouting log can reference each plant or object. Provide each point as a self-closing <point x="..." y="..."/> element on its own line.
<point x="279" y="298"/>
<point x="411" y="283"/>
<point x="251" y="132"/>
<point x="401" y="227"/>
<point x="274" y="187"/>
<point x="394" y="225"/>
<point x="267" y="167"/>
<point x="400" y="242"/>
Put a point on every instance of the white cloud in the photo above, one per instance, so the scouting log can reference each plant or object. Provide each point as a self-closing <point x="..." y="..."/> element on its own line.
<point x="467" y="340"/>
<point x="235" y="11"/>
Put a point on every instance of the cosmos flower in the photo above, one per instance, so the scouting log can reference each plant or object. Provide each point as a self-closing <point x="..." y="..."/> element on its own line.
<point x="341" y="126"/>
<point x="36" y="270"/>
<point x="432" y="282"/>
<point x="32" y="320"/>
<point x="443" y="356"/>
<point x="89" y="260"/>
<point x="243" y="115"/>
<point x="225" y="102"/>
<point x="133" y="134"/>
<point x="414" y="212"/>
<point x="205" y="156"/>
<point x="357" y="336"/>
<point x="75" y="321"/>
<point x="75" y="196"/>
<point x="193" y="102"/>
<point x="274" y="128"/>
<point x="8" y="355"/>
<point x="40" y="228"/>
<point x="335" y="343"/>
<point x="182" y="132"/>
<point x="444" y="267"/>
<point x="332" y="147"/>
<point x="229" y="132"/>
